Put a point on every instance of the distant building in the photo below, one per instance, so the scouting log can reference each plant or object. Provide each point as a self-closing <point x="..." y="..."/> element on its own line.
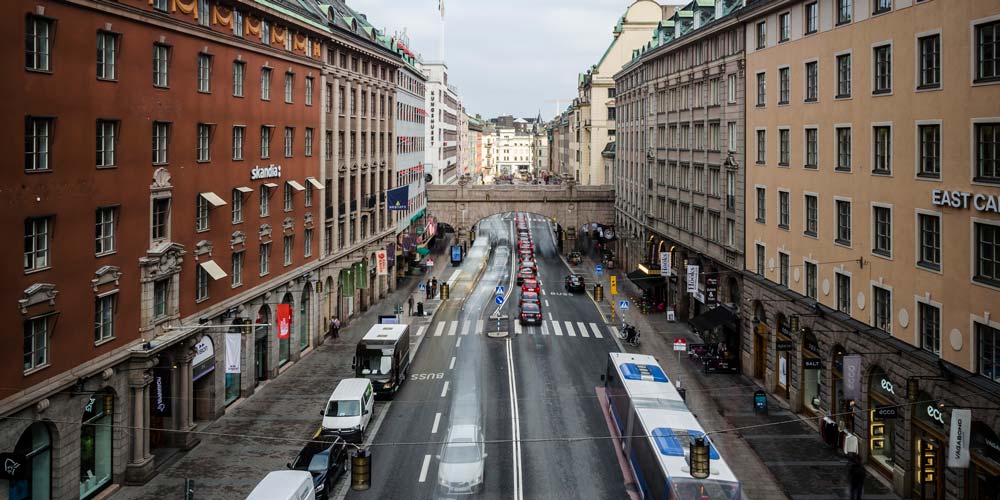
<point x="442" y="127"/>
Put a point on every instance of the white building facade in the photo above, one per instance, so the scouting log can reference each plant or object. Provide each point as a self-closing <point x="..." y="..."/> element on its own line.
<point x="411" y="143"/>
<point x="441" y="128"/>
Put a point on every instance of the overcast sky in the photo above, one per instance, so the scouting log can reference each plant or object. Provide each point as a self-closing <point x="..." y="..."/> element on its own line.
<point x="505" y="56"/>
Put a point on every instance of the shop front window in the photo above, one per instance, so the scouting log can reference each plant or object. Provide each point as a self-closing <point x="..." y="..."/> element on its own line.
<point x="984" y="469"/>
<point x="35" y="444"/>
<point x="783" y="345"/>
<point x="929" y="423"/>
<point x="95" y="444"/>
<point x="284" y="344"/>
<point x="882" y="414"/>
<point x="304" y="317"/>
<point x="811" y="368"/>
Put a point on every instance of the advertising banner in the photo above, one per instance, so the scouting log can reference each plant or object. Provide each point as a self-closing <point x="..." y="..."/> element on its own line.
<point x="398" y="199"/>
<point x="666" y="268"/>
<point x="711" y="291"/>
<point x="234" y="345"/>
<point x="160" y="393"/>
<point x="958" y="442"/>
<point x="692" y="279"/>
<point x="852" y="377"/>
<point x="284" y="321"/>
<point x="381" y="262"/>
<point x="390" y="252"/>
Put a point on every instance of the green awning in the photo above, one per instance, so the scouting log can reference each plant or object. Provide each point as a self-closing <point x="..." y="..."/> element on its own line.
<point x="422" y="249"/>
<point x="417" y="215"/>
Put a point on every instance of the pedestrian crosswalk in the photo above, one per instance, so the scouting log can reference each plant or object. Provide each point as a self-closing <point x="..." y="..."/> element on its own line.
<point x="554" y="328"/>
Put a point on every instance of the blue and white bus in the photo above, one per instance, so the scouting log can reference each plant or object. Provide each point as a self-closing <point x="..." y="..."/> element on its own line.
<point x="656" y="428"/>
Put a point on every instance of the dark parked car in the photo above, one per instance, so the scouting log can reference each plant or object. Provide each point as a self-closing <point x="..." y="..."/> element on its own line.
<point x="531" y="314"/>
<point x="527" y="297"/>
<point x="525" y="274"/>
<point x="574" y="283"/>
<point x="326" y="460"/>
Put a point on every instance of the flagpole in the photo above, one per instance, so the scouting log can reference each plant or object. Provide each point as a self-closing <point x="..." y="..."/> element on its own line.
<point x="441" y="34"/>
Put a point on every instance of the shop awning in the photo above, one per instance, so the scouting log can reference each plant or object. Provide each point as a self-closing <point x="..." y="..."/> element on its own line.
<point x="422" y="249"/>
<point x="712" y="318"/>
<point x="417" y="215"/>
<point x="270" y="185"/>
<point x="315" y="183"/>
<point x="645" y="281"/>
<point x="213" y="198"/>
<point x="244" y="190"/>
<point x="213" y="269"/>
<point x="296" y="186"/>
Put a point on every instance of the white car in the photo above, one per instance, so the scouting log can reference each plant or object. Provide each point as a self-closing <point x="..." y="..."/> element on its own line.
<point x="462" y="458"/>
<point x="350" y="408"/>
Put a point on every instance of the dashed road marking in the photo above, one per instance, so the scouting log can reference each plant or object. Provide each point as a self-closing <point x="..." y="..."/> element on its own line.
<point x="420" y="331"/>
<point x="556" y="328"/>
<point x="479" y="327"/>
<point x="452" y="328"/>
<point x="569" y="329"/>
<point x="451" y="366"/>
<point x="424" y="467"/>
<point x="439" y="330"/>
<point x="444" y="390"/>
<point x="583" y="329"/>
<point x="437" y="420"/>
<point x="597" y="330"/>
<point x="545" y="328"/>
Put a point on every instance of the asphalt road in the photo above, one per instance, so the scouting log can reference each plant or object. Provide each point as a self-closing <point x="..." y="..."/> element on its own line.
<point x="463" y="377"/>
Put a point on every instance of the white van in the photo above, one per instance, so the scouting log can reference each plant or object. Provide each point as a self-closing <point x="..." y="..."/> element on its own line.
<point x="284" y="485"/>
<point x="350" y="408"/>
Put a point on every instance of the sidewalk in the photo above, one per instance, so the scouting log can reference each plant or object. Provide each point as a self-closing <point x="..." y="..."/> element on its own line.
<point x="786" y="460"/>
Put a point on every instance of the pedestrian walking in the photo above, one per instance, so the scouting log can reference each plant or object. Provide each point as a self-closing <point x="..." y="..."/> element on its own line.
<point x="427" y="289"/>
<point x="336" y="327"/>
<point x="857" y="475"/>
<point x="434" y="287"/>
<point x="410" y="303"/>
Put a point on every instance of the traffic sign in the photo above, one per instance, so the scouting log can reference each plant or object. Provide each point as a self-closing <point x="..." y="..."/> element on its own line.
<point x="680" y="345"/>
<point x="499" y="290"/>
<point x="422" y="287"/>
<point x="623" y="305"/>
<point x="499" y="300"/>
<point x="599" y="270"/>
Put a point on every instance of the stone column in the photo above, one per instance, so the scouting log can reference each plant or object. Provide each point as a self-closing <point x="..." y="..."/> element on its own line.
<point x="335" y="160"/>
<point x="185" y="408"/>
<point x="348" y="159"/>
<point x="360" y="172"/>
<point x="140" y="463"/>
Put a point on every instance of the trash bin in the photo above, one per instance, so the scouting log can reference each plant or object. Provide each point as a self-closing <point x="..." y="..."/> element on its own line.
<point x="420" y="308"/>
<point x="760" y="401"/>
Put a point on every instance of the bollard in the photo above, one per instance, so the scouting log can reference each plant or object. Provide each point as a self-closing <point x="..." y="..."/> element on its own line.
<point x="598" y="293"/>
<point x="361" y="470"/>
<point x="445" y="291"/>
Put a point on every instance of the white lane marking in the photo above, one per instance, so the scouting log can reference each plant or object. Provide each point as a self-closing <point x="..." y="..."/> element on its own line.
<point x="479" y="327"/>
<point x="614" y="330"/>
<point x="451" y="366"/>
<point x="454" y="277"/>
<point x="569" y="329"/>
<point x="452" y="328"/>
<point x="444" y="390"/>
<point x="437" y="420"/>
<point x="459" y="343"/>
<point x="517" y="328"/>
<point x="545" y="328"/>
<point x="596" y="330"/>
<point x="424" y="467"/>
<point x="543" y="292"/>
<point x="583" y="329"/>
<point x="546" y="302"/>
<point x="556" y="328"/>
<point x="439" y="330"/>
<point x="420" y="331"/>
<point x="514" y="424"/>
<point x="465" y="327"/>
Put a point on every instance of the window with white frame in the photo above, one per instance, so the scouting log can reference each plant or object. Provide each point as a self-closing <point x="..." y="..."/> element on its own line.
<point x="237" y="23"/>
<point x="784" y="26"/>
<point x="882" y="141"/>
<point x="265" y="141"/>
<point x="731" y="130"/>
<point x="204" y="73"/>
<point x="36" y="343"/>
<point x="988" y="351"/>
<point x="987" y="52"/>
<point x="308" y="147"/>
<point x="239" y="136"/>
<point x="237" y="273"/>
<point x="761" y="256"/>
<point x="288" y="197"/>
<point x="812" y="148"/>
<point x="201" y="214"/>
<point x="237" y="206"/>
<point x="844" y="75"/>
<point x="783" y="266"/>
<point x="882" y="231"/>
<point x="929" y="226"/>
<point x="161" y="142"/>
<point x="761" y="146"/>
<point x="987" y="253"/>
<point x="37" y="243"/>
<point x="289" y="141"/>
<point x="105" y="307"/>
<point x="38" y="143"/>
<point x="107" y="141"/>
<point x="812" y="81"/>
<point x="987" y="152"/>
<point x="843" y="293"/>
<point x="881" y="6"/>
<point x="239" y="77"/>
<point x="882" y="60"/>
<point x="844" y="11"/>
<point x="761" y="205"/>
<point x="265" y="202"/>
<point x="811" y="271"/>
<point x="203" y="7"/>
<point x="784" y="146"/>
<point x="107" y="55"/>
<point x="930" y="61"/>
<point x="161" y="65"/>
<point x="105" y="230"/>
<point x="160" y="226"/>
<point x="289" y="87"/>
<point x="307" y="243"/>
<point x="843" y="222"/>
<point x="288" y="241"/>
<point x="882" y="312"/>
<point x="38" y="43"/>
<point x="844" y="149"/>
<point x="200" y="283"/>
<point x="761" y="89"/>
<point x="309" y="91"/>
<point x="731" y="85"/>
<point x="761" y="35"/>
<point x="161" y="297"/>
<point x="265" y="32"/>
<point x="929" y="164"/>
<point x="811" y="17"/>
<point x="784" y="85"/>
<point x="929" y="324"/>
<point x="204" y="142"/>
<point x="265" y="258"/>
<point x="265" y="84"/>
<point x="812" y="215"/>
<point x="783" y="209"/>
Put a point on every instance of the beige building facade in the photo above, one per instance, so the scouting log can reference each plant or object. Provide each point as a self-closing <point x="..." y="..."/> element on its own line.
<point x="872" y="227"/>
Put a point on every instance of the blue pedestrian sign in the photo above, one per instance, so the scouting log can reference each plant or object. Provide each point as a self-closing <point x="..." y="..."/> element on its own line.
<point x="599" y="270"/>
<point x="499" y="290"/>
<point x="422" y="287"/>
<point x="499" y="300"/>
<point x="623" y="305"/>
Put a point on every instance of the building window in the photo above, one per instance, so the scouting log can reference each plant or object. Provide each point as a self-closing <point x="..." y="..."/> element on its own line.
<point x="988" y="349"/>
<point x="265" y="205"/>
<point x="988" y="51"/>
<point x="238" y="23"/>
<point x="761" y="256"/>
<point x="160" y="5"/>
<point x="309" y="91"/>
<point x="844" y="11"/>
<point x="784" y="27"/>
<point x="883" y="309"/>
<point x="844" y="222"/>
<point x="289" y="87"/>
<point x="812" y="148"/>
<point x="988" y="153"/>
<point x="882" y="231"/>
<point x="160" y="229"/>
<point x="200" y="283"/>
<point x="308" y="148"/>
<point x="161" y="142"/>
<point x="239" y="135"/>
<point x="104" y="317"/>
<point x="308" y="243"/>
<point x="883" y="150"/>
<point x="783" y="265"/>
<point x="204" y="140"/>
<point x="308" y="197"/>
<point x="38" y="42"/>
<point x="784" y="85"/>
<point x="38" y="144"/>
<point x="107" y="55"/>
<point x="161" y="65"/>
<point x="882" y="6"/>
<point x="237" y="206"/>
<point x="239" y="77"/>
<point x="105" y="229"/>
<point x="106" y="142"/>
<point x="237" y="274"/>
<point x="204" y="7"/>
<point x="784" y="139"/>
<point x="812" y="215"/>
<point x="289" y="141"/>
<point x="265" y="258"/>
<point x="929" y="318"/>
<point x="811" y="278"/>
<point x="929" y="166"/>
<point x="265" y="84"/>
<point x="930" y="61"/>
<point x="204" y="73"/>
<point x="761" y="35"/>
<point x="783" y="209"/>
<point x="37" y="240"/>
<point x="812" y="17"/>
<point x="761" y="89"/>
<point x="265" y="33"/>
<point x="201" y="214"/>
<point x="36" y="343"/>
<point x="761" y="205"/>
<point x="987" y="254"/>
<point x="844" y="75"/>
<point x="731" y="130"/>
<point x="265" y="142"/>
<point x="732" y="88"/>
<point x="287" y="201"/>
<point x="883" y="69"/>
<point x="812" y="81"/>
<point x="844" y="149"/>
<point x="288" y="244"/>
<point x="843" y="293"/>
<point x="761" y="146"/>
<point x="161" y="294"/>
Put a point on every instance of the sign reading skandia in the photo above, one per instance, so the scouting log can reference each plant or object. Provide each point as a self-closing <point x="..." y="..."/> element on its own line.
<point x="267" y="172"/>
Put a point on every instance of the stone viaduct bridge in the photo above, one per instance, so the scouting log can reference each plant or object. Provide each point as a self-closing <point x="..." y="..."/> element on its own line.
<point x="463" y="204"/>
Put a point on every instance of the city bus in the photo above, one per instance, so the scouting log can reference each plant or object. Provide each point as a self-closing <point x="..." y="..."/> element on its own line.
<point x="655" y="430"/>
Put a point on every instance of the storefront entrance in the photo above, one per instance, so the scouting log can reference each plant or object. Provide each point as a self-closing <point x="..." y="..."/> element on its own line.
<point x="929" y="442"/>
<point x="261" y="347"/>
<point x="812" y="367"/>
<point x="96" y="443"/>
<point x="882" y="414"/>
<point x="35" y="444"/>
<point x="203" y="377"/>
<point x="983" y="480"/>
<point x="760" y="351"/>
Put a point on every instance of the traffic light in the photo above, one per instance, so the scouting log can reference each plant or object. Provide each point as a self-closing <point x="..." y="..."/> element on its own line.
<point x="361" y="470"/>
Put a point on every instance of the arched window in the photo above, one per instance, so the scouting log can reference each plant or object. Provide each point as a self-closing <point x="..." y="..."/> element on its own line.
<point x="36" y="445"/>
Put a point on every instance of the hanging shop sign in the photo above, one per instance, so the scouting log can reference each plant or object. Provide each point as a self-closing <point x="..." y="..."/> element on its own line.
<point x="964" y="199"/>
<point x="234" y="346"/>
<point x="959" y="438"/>
<point x="160" y="395"/>
<point x="711" y="291"/>
<point x="269" y="172"/>
<point x="666" y="266"/>
<point x="985" y="442"/>
<point x="812" y="363"/>
<point x="390" y="253"/>
<point x="381" y="262"/>
<point x="784" y="345"/>
<point x="929" y="411"/>
<point x="13" y="466"/>
<point x="886" y="412"/>
<point x="692" y="279"/>
<point x="203" y="350"/>
<point x="884" y="386"/>
<point x="284" y="321"/>
<point x="852" y="377"/>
